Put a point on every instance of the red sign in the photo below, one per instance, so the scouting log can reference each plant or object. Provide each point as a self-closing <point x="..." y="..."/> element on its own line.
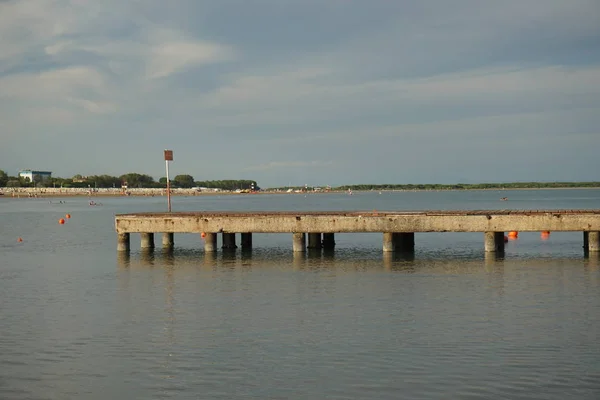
<point x="168" y="155"/>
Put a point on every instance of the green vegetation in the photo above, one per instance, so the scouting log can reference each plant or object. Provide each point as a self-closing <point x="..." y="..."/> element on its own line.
<point x="3" y="178"/>
<point x="457" y="186"/>
<point x="228" y="184"/>
<point x="137" y="180"/>
<point x="131" y="180"/>
<point x="472" y="186"/>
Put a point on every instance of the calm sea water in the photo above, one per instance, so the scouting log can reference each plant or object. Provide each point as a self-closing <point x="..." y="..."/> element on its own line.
<point x="79" y="322"/>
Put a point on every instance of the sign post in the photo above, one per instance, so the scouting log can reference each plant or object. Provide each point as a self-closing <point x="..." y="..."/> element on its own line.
<point x="168" y="157"/>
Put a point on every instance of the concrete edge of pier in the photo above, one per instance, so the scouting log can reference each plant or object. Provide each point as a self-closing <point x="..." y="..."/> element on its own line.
<point x="398" y="227"/>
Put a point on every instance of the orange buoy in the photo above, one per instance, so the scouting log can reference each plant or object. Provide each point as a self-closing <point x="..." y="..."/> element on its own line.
<point x="68" y="216"/>
<point x="203" y="235"/>
<point x="20" y="239"/>
<point x="513" y="234"/>
<point x="545" y="235"/>
<point x="61" y="221"/>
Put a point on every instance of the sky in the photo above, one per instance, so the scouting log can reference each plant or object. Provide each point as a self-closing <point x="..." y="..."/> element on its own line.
<point x="294" y="92"/>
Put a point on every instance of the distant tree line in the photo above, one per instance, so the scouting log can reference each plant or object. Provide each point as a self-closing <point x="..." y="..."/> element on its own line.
<point x="456" y="186"/>
<point x="131" y="180"/>
<point x="137" y="180"/>
<point x="471" y="186"/>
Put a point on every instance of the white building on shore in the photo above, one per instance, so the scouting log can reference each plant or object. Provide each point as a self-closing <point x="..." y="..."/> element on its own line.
<point x="33" y="175"/>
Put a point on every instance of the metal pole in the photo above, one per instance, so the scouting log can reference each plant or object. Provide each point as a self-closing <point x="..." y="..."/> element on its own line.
<point x="168" y="187"/>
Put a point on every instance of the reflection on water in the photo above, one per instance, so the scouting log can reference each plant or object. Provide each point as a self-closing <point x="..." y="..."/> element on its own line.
<point x="444" y="324"/>
<point x="449" y="321"/>
<point x="343" y="260"/>
<point x="592" y="260"/>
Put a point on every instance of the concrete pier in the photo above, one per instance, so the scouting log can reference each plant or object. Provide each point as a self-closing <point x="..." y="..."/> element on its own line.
<point x="123" y="242"/>
<point x="147" y="240"/>
<point x="398" y="227"/>
<point x="229" y="241"/>
<point x="403" y="242"/>
<point x="168" y="240"/>
<point x="299" y="242"/>
<point x="246" y="239"/>
<point x="210" y="242"/>
<point x="389" y="242"/>
<point x="328" y="241"/>
<point x="314" y="241"/>
<point x="593" y="242"/>
<point x="494" y="242"/>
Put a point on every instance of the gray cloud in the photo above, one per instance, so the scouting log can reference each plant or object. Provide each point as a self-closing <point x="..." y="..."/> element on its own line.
<point x="263" y="89"/>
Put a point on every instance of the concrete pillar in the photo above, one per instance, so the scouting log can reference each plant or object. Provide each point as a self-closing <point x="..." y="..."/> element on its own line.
<point x="123" y="242"/>
<point x="229" y="241"/>
<point x="147" y="240"/>
<point x="314" y="241"/>
<point x="299" y="242"/>
<point x="246" y="241"/>
<point x="405" y="242"/>
<point x="494" y="241"/>
<point x="167" y="240"/>
<point x="328" y="241"/>
<point x="210" y="242"/>
<point x="389" y="241"/>
<point x="594" y="242"/>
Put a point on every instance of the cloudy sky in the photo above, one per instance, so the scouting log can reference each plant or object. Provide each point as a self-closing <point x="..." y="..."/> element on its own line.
<point x="303" y="91"/>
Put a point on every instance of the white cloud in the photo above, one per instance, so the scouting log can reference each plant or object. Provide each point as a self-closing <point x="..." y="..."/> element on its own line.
<point x="169" y="58"/>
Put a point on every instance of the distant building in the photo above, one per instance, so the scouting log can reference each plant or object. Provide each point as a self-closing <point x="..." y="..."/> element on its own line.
<point x="31" y="175"/>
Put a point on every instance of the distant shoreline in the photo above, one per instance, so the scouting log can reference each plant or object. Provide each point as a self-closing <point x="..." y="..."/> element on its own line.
<point x="76" y="192"/>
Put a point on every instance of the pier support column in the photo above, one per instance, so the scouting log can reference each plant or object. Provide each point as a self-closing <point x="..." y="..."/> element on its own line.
<point x="167" y="240"/>
<point x="593" y="239"/>
<point x="246" y="241"/>
<point x="299" y="242"/>
<point x="405" y="242"/>
<point x="389" y="241"/>
<point x="210" y="242"/>
<point x="147" y="240"/>
<point x="328" y="241"/>
<point x="123" y="242"/>
<point x="314" y="241"/>
<point x="494" y="241"/>
<point x="229" y="241"/>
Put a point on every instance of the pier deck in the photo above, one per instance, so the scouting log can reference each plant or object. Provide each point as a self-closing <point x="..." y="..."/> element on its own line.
<point x="398" y="227"/>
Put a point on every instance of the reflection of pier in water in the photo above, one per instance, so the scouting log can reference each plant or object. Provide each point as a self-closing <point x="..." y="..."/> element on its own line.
<point x="350" y="261"/>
